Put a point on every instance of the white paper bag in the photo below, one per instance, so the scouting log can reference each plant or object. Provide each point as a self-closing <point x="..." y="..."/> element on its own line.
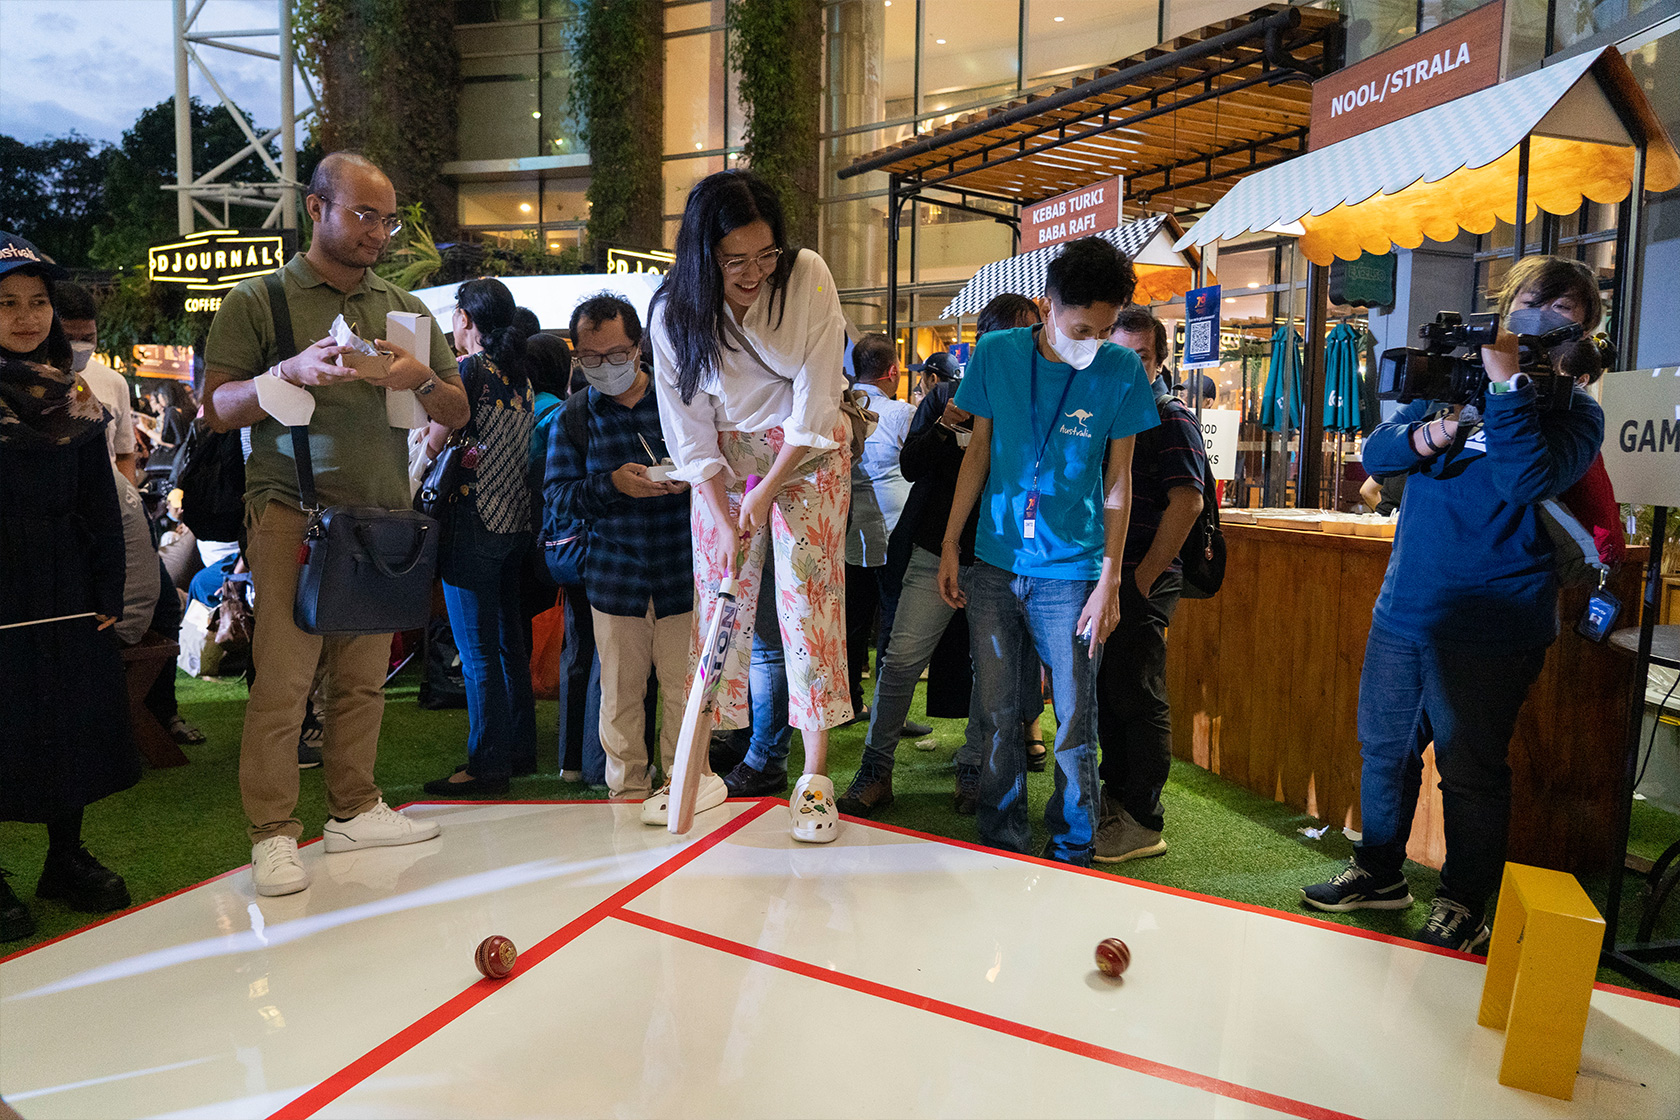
<point x="413" y="332"/>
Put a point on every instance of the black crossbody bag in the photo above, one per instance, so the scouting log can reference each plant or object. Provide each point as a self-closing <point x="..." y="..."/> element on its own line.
<point x="362" y="569"/>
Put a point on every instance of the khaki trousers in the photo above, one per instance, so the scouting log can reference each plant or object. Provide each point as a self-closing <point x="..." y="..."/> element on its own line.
<point x="286" y="659"/>
<point x="629" y="647"/>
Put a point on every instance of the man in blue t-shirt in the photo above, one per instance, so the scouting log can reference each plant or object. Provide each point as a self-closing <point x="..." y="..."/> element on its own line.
<point x="1049" y="403"/>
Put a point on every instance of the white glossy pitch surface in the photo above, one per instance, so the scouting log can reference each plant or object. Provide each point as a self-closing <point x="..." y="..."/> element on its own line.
<point x="741" y="974"/>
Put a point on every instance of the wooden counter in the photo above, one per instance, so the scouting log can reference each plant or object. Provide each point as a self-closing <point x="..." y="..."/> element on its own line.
<point x="1264" y="680"/>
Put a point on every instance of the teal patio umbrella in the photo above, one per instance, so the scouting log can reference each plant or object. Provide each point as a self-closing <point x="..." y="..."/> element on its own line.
<point x="1341" y="380"/>
<point x="1286" y="362"/>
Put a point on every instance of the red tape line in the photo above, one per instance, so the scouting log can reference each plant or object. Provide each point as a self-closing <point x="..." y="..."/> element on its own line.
<point x="411" y="1036"/>
<point x="996" y="1023"/>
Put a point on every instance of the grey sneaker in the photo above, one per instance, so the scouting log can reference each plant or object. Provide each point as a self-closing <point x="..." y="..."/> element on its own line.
<point x="1452" y="926"/>
<point x="1120" y="838"/>
<point x="1354" y="888"/>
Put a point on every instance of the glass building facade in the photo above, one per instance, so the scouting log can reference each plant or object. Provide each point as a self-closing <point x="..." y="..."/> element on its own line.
<point x="894" y="69"/>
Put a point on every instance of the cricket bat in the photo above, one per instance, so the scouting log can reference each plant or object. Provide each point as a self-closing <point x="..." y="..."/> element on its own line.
<point x="696" y="733"/>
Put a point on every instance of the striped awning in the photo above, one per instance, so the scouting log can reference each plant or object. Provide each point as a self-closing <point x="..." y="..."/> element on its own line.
<point x="1454" y="167"/>
<point x="1158" y="277"/>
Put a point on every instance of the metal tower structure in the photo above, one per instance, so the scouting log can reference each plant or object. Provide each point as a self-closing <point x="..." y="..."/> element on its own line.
<point x="277" y="195"/>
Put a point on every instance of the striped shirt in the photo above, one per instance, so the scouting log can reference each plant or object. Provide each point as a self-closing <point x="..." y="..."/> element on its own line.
<point x="640" y="549"/>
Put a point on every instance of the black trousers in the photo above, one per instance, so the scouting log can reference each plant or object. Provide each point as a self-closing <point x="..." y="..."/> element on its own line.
<point x="166" y="620"/>
<point x="868" y="591"/>
<point x="1134" y="721"/>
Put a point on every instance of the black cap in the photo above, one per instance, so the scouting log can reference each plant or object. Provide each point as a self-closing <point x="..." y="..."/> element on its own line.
<point x="1209" y="389"/>
<point x="942" y="364"/>
<point x="15" y="252"/>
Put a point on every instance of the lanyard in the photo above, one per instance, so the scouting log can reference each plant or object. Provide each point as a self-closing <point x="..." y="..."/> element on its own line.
<point x="1044" y="445"/>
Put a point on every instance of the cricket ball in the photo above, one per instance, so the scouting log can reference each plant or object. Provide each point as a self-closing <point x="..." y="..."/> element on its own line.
<point x="1112" y="956"/>
<point x="495" y="957"/>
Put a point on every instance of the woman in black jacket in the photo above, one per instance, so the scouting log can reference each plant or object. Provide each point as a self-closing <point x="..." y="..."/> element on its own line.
<point x="65" y="741"/>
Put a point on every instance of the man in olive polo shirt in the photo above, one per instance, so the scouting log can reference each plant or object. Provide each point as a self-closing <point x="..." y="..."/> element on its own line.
<point x="360" y="460"/>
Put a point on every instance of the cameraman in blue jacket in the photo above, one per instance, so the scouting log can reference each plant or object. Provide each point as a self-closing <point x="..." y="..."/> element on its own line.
<point x="1467" y="608"/>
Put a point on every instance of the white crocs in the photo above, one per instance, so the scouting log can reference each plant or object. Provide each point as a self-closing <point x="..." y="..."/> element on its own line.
<point x="657" y="809"/>
<point x="813" y="813"/>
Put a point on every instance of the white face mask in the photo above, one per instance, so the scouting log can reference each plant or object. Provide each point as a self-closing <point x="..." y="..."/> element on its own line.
<point x="1077" y="353"/>
<point x="612" y="378"/>
<point x="80" y="354"/>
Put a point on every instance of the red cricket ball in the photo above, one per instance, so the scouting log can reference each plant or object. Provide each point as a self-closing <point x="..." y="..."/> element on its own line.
<point x="495" y="957"/>
<point x="1112" y="956"/>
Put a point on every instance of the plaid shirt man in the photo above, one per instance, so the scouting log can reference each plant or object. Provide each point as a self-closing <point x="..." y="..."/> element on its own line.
<point x="639" y="548"/>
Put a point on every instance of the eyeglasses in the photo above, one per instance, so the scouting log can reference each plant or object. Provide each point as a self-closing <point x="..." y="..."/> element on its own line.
<point x="765" y="261"/>
<point x="369" y="217"/>
<point x="616" y="357"/>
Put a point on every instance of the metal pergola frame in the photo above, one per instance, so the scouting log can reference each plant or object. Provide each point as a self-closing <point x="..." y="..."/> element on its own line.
<point x="1033" y="148"/>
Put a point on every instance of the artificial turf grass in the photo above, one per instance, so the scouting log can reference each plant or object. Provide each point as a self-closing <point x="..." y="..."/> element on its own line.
<point x="180" y="826"/>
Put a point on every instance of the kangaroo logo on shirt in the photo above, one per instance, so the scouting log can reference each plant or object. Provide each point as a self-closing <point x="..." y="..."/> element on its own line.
<point x="1080" y="418"/>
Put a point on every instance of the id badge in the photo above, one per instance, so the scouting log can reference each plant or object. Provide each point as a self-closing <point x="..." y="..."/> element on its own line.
<point x="1600" y="616"/>
<point x="1029" y="519"/>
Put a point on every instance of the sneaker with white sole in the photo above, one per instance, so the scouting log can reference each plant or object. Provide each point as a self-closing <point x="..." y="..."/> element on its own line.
<point x="1354" y="888"/>
<point x="275" y="867"/>
<point x="813" y="813"/>
<point x="1120" y="837"/>
<point x="711" y="794"/>
<point x="379" y="827"/>
<point x="1451" y="925"/>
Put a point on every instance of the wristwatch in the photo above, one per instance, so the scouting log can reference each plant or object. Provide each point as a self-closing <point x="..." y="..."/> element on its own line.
<point x="425" y="387"/>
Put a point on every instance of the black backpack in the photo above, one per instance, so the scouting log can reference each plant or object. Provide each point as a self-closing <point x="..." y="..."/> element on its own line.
<point x="1203" y="553"/>
<point x="566" y="542"/>
<point x="210" y="473"/>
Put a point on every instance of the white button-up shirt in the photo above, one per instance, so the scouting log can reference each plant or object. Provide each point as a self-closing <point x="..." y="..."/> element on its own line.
<point x="800" y="392"/>
<point x="879" y="488"/>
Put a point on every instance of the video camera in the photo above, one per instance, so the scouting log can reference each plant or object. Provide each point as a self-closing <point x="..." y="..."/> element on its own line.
<point x="1435" y="373"/>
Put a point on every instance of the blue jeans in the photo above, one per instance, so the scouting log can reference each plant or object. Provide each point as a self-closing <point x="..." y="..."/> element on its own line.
<point x="206" y="583"/>
<point x="916" y="629"/>
<point x="767" y="685"/>
<point x="481" y="588"/>
<point x="1470" y="699"/>
<point x="1013" y="621"/>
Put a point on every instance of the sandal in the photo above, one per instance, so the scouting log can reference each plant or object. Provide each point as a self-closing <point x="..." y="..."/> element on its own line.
<point x="1036" y="754"/>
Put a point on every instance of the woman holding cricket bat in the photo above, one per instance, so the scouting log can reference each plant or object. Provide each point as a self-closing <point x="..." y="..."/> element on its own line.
<point x="65" y="740"/>
<point x="748" y="346"/>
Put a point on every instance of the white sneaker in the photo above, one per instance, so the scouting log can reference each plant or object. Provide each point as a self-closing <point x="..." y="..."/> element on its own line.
<point x="657" y="809"/>
<point x="275" y="867"/>
<point x="379" y="827"/>
<point x="812" y="810"/>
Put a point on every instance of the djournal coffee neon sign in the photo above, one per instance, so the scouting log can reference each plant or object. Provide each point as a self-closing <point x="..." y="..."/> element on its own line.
<point x="216" y="260"/>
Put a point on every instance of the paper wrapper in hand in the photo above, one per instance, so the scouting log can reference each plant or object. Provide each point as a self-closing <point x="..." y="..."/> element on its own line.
<point x="360" y="355"/>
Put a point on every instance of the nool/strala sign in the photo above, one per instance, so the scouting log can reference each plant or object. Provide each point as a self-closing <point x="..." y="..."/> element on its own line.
<point x="1450" y="61"/>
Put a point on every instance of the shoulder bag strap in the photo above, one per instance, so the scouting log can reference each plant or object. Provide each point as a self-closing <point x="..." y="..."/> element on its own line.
<point x="739" y="337"/>
<point x="285" y="346"/>
<point x="575" y="418"/>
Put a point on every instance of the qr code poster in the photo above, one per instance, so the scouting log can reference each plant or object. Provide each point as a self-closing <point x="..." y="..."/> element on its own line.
<point x="1201" y="328"/>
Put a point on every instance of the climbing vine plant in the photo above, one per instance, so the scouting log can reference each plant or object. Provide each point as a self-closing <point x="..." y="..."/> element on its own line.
<point x="618" y="98"/>
<point x="389" y="76"/>
<point x="777" y="48"/>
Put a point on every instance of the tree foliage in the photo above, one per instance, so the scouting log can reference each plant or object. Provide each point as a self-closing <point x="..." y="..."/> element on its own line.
<point x="139" y="211"/>
<point x="52" y="193"/>
<point x="390" y="79"/>
<point x="777" y="45"/>
<point x="618" y="97"/>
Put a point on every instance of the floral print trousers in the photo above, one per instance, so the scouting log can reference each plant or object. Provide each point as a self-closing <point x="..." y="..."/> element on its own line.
<point x="807" y="531"/>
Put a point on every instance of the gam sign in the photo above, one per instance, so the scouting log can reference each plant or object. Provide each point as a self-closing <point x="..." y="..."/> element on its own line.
<point x="215" y="260"/>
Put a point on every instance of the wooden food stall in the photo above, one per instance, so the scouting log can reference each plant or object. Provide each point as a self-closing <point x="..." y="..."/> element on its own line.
<point x="1264" y="680"/>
